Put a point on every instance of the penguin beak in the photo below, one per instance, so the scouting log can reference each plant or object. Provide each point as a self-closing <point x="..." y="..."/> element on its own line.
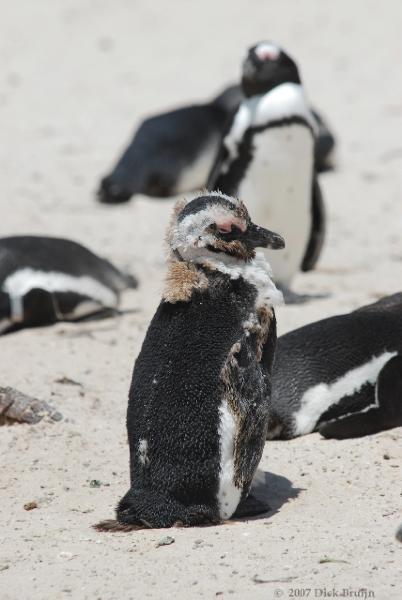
<point x="257" y="236"/>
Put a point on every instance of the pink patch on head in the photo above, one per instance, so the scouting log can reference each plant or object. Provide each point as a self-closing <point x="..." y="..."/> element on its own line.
<point x="267" y="52"/>
<point x="226" y="225"/>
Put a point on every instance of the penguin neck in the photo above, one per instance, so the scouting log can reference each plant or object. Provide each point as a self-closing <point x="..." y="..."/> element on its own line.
<point x="256" y="272"/>
<point x="283" y="103"/>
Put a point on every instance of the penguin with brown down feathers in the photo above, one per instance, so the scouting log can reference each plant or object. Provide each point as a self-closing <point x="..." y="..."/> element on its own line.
<point x="198" y="402"/>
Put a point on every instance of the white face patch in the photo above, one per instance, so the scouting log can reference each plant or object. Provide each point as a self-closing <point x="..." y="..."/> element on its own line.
<point x="267" y="51"/>
<point x="319" y="398"/>
<point x="228" y="493"/>
<point x="21" y="282"/>
<point x="190" y="232"/>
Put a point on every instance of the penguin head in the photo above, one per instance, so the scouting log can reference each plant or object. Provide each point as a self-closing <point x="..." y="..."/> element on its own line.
<point x="217" y="225"/>
<point x="265" y="67"/>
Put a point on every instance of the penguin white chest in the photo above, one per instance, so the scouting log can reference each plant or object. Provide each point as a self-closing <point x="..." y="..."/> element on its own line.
<point x="277" y="189"/>
<point x="228" y="493"/>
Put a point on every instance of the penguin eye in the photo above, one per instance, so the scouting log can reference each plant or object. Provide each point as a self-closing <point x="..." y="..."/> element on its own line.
<point x="225" y="229"/>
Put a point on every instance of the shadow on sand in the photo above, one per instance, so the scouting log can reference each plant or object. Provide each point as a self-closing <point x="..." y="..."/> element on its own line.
<point x="274" y="490"/>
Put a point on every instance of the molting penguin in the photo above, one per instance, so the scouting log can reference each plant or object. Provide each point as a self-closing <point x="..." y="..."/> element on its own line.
<point x="198" y="402"/>
<point x="172" y="152"/>
<point x="45" y="279"/>
<point x="268" y="157"/>
<point x="341" y="376"/>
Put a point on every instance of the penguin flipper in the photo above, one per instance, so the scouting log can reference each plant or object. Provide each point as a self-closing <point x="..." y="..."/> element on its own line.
<point x="250" y="507"/>
<point x="386" y="415"/>
<point x="324" y="145"/>
<point x="355" y="425"/>
<point x="389" y="393"/>
<point x="317" y="234"/>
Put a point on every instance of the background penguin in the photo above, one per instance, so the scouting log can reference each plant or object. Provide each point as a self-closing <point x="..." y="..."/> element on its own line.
<point x="172" y="152"/>
<point x="45" y="279"/>
<point x="341" y="376"/>
<point x="198" y="402"/>
<point x="268" y="157"/>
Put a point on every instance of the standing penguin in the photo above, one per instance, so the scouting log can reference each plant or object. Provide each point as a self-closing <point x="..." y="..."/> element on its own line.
<point x="198" y="402"/>
<point x="46" y="279"/>
<point x="172" y="152"/>
<point x="341" y="376"/>
<point x="268" y="157"/>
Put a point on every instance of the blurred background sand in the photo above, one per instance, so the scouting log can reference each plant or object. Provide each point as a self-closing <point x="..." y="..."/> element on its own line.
<point x="76" y="77"/>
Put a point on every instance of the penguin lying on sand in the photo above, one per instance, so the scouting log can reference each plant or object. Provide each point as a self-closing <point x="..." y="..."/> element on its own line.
<point x="198" y="402"/>
<point x="341" y="376"/>
<point x="45" y="279"/>
<point x="174" y="152"/>
<point x="267" y="156"/>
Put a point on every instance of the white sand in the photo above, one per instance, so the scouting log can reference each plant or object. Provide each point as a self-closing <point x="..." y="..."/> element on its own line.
<point x="75" y="77"/>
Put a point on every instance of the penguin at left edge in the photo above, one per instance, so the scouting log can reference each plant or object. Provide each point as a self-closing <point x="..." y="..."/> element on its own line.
<point x="268" y="157"/>
<point x="46" y="279"/>
<point x="340" y="376"/>
<point x="198" y="401"/>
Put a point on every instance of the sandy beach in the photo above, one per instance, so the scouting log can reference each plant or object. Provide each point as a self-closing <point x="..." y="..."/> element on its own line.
<point x="76" y="78"/>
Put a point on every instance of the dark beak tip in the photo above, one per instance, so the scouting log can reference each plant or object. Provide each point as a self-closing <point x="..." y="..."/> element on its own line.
<point x="279" y="243"/>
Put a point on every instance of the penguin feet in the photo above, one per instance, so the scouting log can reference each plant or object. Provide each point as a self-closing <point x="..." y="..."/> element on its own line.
<point x="386" y="414"/>
<point x="141" y="509"/>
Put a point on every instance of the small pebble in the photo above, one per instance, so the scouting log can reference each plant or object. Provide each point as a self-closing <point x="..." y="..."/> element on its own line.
<point x="30" y="505"/>
<point x="165" y="541"/>
<point x="95" y="483"/>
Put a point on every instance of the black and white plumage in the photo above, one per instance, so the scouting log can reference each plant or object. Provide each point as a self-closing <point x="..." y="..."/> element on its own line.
<point x="171" y="152"/>
<point x="198" y="402"/>
<point x="46" y="279"/>
<point x="341" y="376"/>
<point x="268" y="157"/>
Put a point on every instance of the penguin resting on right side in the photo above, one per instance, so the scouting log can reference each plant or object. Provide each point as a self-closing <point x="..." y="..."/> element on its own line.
<point x="268" y="157"/>
<point x="198" y="401"/>
<point x="341" y="376"/>
<point x="171" y="153"/>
